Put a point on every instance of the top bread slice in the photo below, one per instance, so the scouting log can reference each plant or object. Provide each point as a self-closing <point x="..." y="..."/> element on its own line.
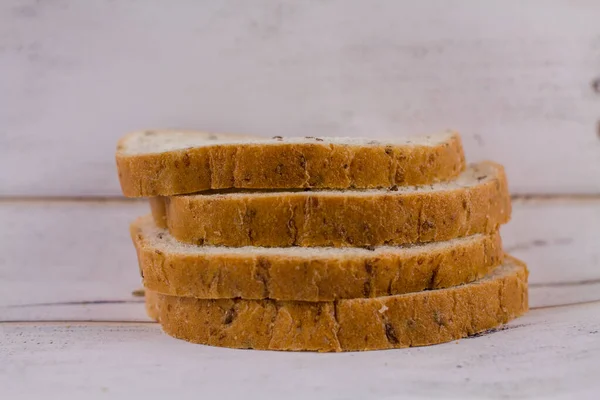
<point x="165" y="163"/>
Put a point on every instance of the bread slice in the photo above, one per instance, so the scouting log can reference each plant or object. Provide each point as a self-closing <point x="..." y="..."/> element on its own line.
<point x="477" y="201"/>
<point x="414" y="319"/>
<point x="316" y="274"/>
<point x="162" y="163"/>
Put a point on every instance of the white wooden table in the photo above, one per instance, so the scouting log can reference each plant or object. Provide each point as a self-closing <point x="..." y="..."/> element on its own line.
<point x="517" y="79"/>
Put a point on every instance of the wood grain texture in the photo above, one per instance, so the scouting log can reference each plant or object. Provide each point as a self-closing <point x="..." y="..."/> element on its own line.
<point x="550" y="354"/>
<point x="84" y="256"/>
<point x="67" y="250"/>
<point x="502" y="73"/>
<point x="558" y="239"/>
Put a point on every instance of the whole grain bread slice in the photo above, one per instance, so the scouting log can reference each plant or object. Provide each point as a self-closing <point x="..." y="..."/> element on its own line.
<point x="164" y="163"/>
<point x="477" y="201"/>
<point x="414" y="319"/>
<point x="307" y="274"/>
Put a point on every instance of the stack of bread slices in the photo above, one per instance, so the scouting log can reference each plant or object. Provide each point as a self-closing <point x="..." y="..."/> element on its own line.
<point x="320" y="244"/>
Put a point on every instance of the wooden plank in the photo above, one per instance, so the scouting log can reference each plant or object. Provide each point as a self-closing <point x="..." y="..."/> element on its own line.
<point x="550" y="354"/>
<point x="78" y="254"/>
<point x="125" y="309"/>
<point x="558" y="239"/>
<point x="515" y="78"/>
<point x="67" y="251"/>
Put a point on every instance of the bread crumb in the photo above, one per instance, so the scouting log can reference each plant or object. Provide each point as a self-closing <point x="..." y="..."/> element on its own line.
<point x="383" y="309"/>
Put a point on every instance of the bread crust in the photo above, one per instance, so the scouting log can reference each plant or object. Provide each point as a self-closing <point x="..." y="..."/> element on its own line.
<point x="321" y="276"/>
<point x="415" y="319"/>
<point x="313" y="164"/>
<point x="340" y="219"/>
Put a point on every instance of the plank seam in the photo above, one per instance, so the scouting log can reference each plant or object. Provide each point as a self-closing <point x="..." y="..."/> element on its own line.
<point x="100" y="322"/>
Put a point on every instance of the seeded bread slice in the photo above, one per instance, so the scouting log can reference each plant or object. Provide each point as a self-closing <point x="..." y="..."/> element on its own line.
<point x="316" y="274"/>
<point x="162" y="163"/>
<point x="415" y="319"/>
<point x="477" y="201"/>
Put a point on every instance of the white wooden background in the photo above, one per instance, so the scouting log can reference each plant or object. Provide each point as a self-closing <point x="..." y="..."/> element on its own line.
<point x="519" y="79"/>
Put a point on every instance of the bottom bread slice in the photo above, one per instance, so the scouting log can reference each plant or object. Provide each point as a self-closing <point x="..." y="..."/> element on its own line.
<point x="415" y="319"/>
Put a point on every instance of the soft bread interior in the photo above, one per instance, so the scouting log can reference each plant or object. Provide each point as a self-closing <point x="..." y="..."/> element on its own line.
<point x="146" y="142"/>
